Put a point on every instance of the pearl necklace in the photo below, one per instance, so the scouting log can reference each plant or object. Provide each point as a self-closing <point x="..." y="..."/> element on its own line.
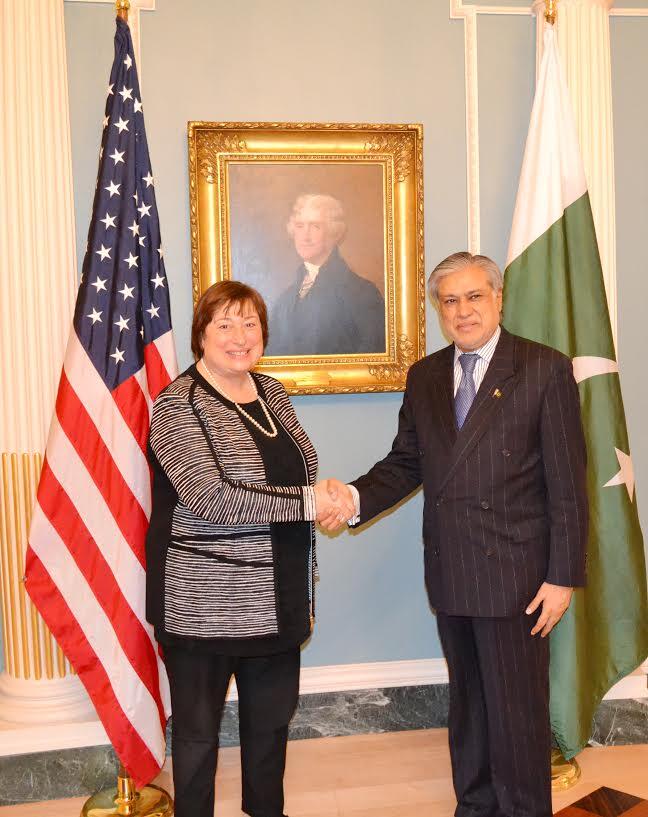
<point x="273" y="428"/>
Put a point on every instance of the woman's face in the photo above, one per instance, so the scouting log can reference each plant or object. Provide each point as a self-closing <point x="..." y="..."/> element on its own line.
<point x="233" y="340"/>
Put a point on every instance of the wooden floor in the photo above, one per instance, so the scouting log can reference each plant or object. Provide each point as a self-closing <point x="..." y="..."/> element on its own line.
<point x="398" y="774"/>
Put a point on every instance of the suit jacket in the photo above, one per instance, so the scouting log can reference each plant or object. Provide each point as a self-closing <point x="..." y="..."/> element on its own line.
<point x="505" y="497"/>
<point x="342" y="313"/>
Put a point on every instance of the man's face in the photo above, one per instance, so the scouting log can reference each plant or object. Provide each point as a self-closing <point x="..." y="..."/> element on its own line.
<point x="312" y="235"/>
<point x="469" y="307"/>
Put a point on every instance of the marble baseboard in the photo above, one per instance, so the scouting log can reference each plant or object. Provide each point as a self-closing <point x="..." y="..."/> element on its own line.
<point x="621" y="722"/>
<point x="330" y="714"/>
<point x="80" y="772"/>
<point x="54" y="775"/>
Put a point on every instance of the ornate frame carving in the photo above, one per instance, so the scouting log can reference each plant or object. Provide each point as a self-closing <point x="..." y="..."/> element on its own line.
<point x="398" y="151"/>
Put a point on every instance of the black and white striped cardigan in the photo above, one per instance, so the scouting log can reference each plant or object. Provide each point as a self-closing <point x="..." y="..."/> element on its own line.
<point x="217" y="571"/>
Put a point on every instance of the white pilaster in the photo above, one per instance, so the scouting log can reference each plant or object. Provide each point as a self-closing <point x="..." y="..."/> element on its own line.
<point x="38" y="285"/>
<point x="583" y="31"/>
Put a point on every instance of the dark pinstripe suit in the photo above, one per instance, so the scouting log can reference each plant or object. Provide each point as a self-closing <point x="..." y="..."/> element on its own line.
<point x="505" y="510"/>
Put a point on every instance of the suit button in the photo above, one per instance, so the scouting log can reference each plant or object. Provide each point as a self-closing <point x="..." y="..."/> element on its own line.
<point x="436" y="551"/>
<point x="484" y="504"/>
<point x="440" y="501"/>
<point x="421" y="451"/>
<point x="506" y="452"/>
<point x="489" y="551"/>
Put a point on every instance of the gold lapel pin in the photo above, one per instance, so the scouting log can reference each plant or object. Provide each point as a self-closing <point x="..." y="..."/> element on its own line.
<point x="497" y="393"/>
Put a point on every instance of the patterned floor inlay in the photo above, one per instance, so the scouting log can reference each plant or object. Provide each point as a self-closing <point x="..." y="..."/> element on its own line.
<point x="606" y="802"/>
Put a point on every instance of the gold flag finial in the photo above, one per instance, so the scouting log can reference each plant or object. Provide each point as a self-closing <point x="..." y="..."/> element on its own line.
<point x="122" y="7"/>
<point x="550" y="11"/>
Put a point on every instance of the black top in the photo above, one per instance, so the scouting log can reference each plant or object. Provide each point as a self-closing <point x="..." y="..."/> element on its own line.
<point x="291" y="541"/>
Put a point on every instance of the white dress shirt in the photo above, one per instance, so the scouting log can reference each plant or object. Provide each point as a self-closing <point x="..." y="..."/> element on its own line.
<point x="485" y="353"/>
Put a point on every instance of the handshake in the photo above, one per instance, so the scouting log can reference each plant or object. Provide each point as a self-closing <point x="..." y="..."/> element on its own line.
<point x="334" y="504"/>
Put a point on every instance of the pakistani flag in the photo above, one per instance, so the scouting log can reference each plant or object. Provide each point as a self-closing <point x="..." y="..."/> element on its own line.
<point x="554" y="294"/>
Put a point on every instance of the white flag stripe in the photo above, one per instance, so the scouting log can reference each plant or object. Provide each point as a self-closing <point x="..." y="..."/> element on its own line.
<point x="113" y="430"/>
<point x="77" y="483"/>
<point x="166" y="348"/>
<point x="546" y="187"/>
<point x="165" y="691"/>
<point x="133" y="696"/>
<point x="140" y="377"/>
<point x="129" y="574"/>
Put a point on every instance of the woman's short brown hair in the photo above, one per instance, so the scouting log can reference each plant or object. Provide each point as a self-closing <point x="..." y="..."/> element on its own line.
<point x="229" y="294"/>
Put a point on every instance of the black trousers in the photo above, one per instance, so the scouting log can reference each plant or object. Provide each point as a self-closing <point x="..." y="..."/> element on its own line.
<point x="499" y="732"/>
<point x="268" y="689"/>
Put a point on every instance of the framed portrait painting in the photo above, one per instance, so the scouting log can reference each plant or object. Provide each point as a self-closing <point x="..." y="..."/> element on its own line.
<point x="326" y="222"/>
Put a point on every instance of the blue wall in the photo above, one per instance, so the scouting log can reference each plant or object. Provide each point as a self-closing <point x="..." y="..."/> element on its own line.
<point x="628" y="38"/>
<point x="371" y="61"/>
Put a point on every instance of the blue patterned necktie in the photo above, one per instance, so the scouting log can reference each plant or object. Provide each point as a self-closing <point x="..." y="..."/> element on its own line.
<point x="466" y="391"/>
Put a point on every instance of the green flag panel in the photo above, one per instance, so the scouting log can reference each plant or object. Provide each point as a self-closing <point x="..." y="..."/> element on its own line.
<point x="554" y="294"/>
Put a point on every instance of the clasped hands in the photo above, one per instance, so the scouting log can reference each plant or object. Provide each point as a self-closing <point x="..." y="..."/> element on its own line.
<point x="334" y="504"/>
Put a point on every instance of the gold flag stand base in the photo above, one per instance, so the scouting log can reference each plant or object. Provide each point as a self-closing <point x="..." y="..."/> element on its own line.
<point x="564" y="773"/>
<point x="126" y="800"/>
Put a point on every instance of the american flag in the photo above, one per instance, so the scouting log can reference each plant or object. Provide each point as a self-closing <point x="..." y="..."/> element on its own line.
<point x="85" y="563"/>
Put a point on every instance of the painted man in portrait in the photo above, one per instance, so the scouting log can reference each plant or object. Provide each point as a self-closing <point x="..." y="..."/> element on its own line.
<point x="329" y="309"/>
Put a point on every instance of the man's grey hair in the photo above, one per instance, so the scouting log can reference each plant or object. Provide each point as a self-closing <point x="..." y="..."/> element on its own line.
<point x="330" y="208"/>
<point x="461" y="260"/>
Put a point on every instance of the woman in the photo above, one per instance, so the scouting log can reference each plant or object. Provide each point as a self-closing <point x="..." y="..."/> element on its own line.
<point x="230" y="551"/>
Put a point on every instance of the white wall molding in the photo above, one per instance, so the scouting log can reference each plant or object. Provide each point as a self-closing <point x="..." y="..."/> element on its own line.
<point x="137" y="6"/>
<point x="377" y="675"/>
<point x="468" y="12"/>
<point x="460" y="10"/>
<point x="43" y="703"/>
<point x="23" y="740"/>
<point x="469" y="16"/>
<point x="16" y="740"/>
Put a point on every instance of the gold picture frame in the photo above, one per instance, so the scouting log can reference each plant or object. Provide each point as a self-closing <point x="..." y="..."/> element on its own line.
<point x="245" y="180"/>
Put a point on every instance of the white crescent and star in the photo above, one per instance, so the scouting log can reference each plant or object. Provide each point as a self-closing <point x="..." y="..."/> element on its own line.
<point x="586" y="367"/>
<point x="625" y="475"/>
<point x="589" y="366"/>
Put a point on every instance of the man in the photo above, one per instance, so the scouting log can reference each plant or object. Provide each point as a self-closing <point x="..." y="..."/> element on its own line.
<point x="328" y="310"/>
<point x="491" y="427"/>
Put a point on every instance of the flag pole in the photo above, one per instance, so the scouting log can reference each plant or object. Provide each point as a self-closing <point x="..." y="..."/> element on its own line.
<point x="564" y="773"/>
<point x="125" y="800"/>
<point x="122" y="7"/>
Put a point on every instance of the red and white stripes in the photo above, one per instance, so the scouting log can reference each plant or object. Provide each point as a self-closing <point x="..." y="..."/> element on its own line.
<point x="85" y="564"/>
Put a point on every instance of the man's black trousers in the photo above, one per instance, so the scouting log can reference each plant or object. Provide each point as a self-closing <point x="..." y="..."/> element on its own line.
<point x="268" y="690"/>
<point x="499" y="732"/>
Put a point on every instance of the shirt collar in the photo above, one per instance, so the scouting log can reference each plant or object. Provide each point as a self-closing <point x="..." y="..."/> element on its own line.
<point x="486" y="351"/>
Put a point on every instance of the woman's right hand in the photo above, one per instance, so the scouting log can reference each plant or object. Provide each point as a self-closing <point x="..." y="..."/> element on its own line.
<point x="334" y="504"/>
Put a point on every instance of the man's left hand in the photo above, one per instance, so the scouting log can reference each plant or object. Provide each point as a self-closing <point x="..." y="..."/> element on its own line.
<point x="554" y="600"/>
